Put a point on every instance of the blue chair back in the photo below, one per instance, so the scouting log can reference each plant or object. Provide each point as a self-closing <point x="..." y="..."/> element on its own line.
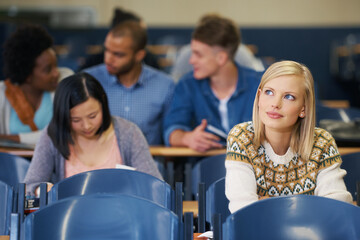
<point x="6" y="207"/>
<point x="351" y="163"/>
<point x="12" y="168"/>
<point x="208" y="170"/>
<point x="103" y="216"/>
<point x="295" y="217"/>
<point x="115" y="181"/>
<point x="216" y="201"/>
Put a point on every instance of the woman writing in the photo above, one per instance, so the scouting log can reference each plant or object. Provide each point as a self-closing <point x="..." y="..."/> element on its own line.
<point x="82" y="136"/>
<point x="281" y="152"/>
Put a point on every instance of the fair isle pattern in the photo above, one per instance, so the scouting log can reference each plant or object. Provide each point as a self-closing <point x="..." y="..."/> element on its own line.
<point x="296" y="177"/>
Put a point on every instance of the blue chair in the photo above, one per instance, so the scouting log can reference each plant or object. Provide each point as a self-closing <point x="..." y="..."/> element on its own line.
<point x="295" y="217"/>
<point x="103" y="216"/>
<point x="6" y="207"/>
<point x="216" y="201"/>
<point x="115" y="181"/>
<point x="351" y="163"/>
<point x="12" y="168"/>
<point x="208" y="170"/>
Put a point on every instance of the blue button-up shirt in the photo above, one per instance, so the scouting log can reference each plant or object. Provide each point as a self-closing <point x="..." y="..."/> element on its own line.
<point x="144" y="103"/>
<point x="194" y="100"/>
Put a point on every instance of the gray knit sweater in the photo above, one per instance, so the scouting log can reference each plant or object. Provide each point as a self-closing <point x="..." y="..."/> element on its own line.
<point x="47" y="159"/>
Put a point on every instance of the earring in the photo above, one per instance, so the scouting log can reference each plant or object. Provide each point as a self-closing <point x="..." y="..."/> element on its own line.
<point x="302" y="115"/>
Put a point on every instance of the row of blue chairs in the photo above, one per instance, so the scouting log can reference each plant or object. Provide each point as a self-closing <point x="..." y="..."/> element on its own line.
<point x="113" y="198"/>
<point x="217" y="202"/>
<point x="103" y="216"/>
<point x="211" y="191"/>
<point x="296" y="217"/>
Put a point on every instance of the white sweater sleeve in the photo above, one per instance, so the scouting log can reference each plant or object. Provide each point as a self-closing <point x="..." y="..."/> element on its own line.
<point x="240" y="185"/>
<point x="330" y="183"/>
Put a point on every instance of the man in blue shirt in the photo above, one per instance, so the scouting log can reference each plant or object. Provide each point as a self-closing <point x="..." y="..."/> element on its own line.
<point x="214" y="97"/>
<point x="135" y="91"/>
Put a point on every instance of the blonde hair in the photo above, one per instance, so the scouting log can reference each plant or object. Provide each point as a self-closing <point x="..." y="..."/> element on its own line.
<point x="302" y="136"/>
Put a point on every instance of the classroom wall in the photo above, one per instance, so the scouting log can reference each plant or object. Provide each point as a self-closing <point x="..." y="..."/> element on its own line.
<point x="244" y="12"/>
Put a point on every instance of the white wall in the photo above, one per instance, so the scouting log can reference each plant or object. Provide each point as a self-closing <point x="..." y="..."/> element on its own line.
<point x="244" y="12"/>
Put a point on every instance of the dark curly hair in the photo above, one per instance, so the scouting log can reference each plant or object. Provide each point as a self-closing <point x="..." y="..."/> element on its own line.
<point x="21" y="50"/>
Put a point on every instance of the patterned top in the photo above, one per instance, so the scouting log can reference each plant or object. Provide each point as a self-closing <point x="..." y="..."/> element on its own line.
<point x="295" y="175"/>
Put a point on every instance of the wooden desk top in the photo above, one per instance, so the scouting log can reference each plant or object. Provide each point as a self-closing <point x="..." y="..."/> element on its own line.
<point x="167" y="151"/>
<point x="336" y="103"/>
<point x="347" y="150"/>
<point x="190" y="206"/>
<point x="183" y="152"/>
<point x="154" y="150"/>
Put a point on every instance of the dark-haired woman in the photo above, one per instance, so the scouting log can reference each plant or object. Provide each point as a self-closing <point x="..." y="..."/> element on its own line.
<point x="82" y="136"/>
<point x="30" y="67"/>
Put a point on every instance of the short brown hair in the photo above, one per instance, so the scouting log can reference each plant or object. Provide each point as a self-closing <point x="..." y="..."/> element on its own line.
<point x="218" y="31"/>
<point x="131" y="29"/>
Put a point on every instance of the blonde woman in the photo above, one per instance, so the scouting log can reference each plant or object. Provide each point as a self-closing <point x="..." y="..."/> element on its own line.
<point x="281" y="152"/>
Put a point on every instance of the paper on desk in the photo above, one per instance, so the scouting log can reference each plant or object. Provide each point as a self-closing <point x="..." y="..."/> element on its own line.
<point x="121" y="166"/>
<point x="208" y="234"/>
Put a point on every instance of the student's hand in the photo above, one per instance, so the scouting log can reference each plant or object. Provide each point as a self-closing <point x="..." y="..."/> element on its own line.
<point x="200" y="140"/>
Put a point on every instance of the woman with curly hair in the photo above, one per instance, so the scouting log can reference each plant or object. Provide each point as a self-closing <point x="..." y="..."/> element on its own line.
<point x="30" y="67"/>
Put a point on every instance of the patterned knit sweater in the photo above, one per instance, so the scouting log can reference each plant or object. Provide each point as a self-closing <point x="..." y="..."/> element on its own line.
<point x="281" y="175"/>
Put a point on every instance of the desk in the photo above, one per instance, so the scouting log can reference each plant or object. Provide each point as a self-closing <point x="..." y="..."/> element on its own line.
<point x="167" y="151"/>
<point x="187" y="152"/>
<point x="336" y="103"/>
<point x="183" y="152"/>
<point x="19" y="152"/>
<point x="190" y="206"/>
<point x="347" y="150"/>
<point x="154" y="150"/>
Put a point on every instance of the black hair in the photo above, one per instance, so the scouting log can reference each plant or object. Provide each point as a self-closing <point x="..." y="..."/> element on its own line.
<point x="21" y="50"/>
<point x="120" y="15"/>
<point x="71" y="92"/>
